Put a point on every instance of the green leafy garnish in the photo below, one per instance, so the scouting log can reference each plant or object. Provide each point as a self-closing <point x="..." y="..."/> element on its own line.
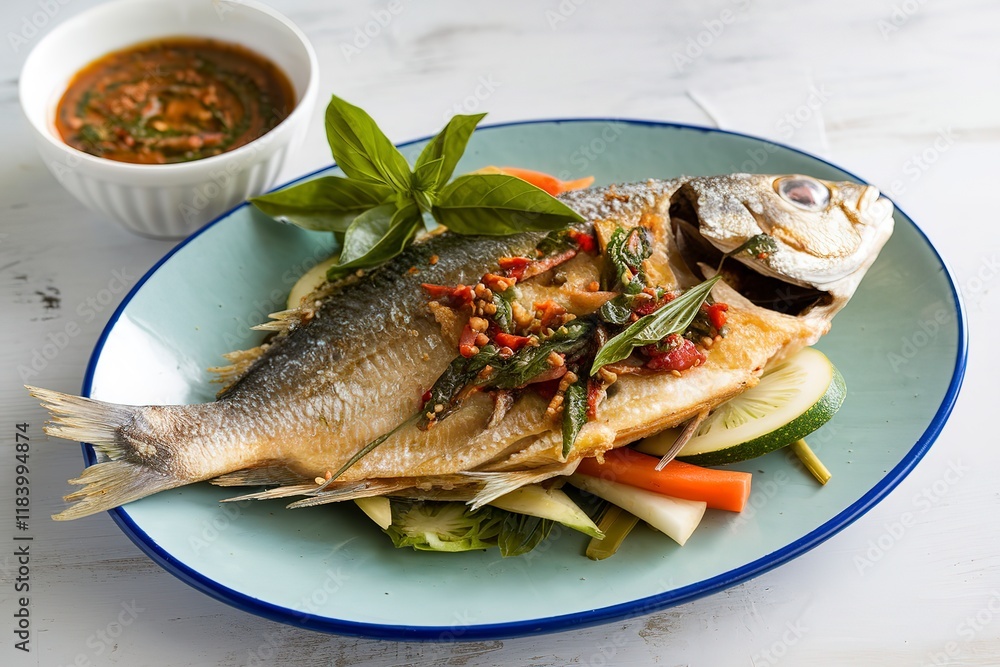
<point x="448" y="388"/>
<point x="325" y="204"/>
<point x="381" y="204"/>
<point x="443" y="526"/>
<point x="674" y="317"/>
<point x="520" y="533"/>
<point x="571" y="340"/>
<point x="574" y="414"/>
<point x="499" y="205"/>
<point x="504" y="317"/>
<point x="627" y="249"/>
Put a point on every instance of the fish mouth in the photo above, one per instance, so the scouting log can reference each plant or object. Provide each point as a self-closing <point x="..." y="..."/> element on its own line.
<point x="765" y="291"/>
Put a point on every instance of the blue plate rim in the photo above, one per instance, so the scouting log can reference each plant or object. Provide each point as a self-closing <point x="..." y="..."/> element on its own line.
<point x="631" y="609"/>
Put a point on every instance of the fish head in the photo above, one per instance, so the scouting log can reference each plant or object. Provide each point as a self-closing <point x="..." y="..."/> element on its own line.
<point x="825" y="233"/>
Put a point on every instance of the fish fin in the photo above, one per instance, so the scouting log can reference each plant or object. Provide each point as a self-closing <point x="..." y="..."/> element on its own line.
<point x="113" y="483"/>
<point x="240" y="362"/>
<point x="284" y="321"/>
<point x="263" y="475"/>
<point x="354" y="490"/>
<point x="496" y="484"/>
<point x="86" y="420"/>
<point x="280" y="492"/>
<point x="126" y="470"/>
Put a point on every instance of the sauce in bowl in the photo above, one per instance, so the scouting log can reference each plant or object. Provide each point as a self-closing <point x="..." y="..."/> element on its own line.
<point x="173" y="100"/>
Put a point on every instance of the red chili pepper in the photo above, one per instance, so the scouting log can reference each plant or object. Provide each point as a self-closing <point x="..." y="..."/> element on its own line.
<point x="454" y="296"/>
<point x="550" y="311"/>
<point x="467" y="342"/>
<point x="546" y="263"/>
<point x="717" y="314"/>
<point x="510" y="340"/>
<point x="681" y="356"/>
<point x="546" y="389"/>
<point x="426" y="397"/>
<point x="652" y="305"/>
<point x="514" y="266"/>
<point x="595" y="392"/>
<point x="586" y="242"/>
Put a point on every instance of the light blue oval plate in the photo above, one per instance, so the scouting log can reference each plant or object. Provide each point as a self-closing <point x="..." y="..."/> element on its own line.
<point x="900" y="344"/>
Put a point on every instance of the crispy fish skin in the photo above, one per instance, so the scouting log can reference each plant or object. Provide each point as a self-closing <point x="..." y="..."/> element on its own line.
<point x="356" y="365"/>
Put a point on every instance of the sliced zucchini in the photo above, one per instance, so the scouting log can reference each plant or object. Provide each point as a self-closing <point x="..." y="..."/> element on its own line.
<point x="792" y="400"/>
<point x="554" y="504"/>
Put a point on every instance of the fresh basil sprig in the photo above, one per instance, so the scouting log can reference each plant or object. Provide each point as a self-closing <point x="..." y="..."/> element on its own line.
<point x="674" y="317"/>
<point x="381" y="204"/>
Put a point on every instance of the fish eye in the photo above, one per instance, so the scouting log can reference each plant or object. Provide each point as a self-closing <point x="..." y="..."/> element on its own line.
<point x="806" y="193"/>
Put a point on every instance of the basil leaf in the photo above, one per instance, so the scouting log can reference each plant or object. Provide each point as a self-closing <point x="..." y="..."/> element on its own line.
<point x="674" y="317"/>
<point x="520" y="533"/>
<point x="427" y="176"/>
<point x="504" y="317"/>
<point x="360" y="148"/>
<point x="448" y="146"/>
<point x="497" y="205"/>
<point x="323" y="204"/>
<point x="450" y="384"/>
<point x="616" y="311"/>
<point x="376" y="236"/>
<point x="626" y="250"/>
<point x="572" y="339"/>
<point x="574" y="414"/>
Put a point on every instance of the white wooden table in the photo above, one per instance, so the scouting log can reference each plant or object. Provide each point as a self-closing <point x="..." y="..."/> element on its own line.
<point x="903" y="92"/>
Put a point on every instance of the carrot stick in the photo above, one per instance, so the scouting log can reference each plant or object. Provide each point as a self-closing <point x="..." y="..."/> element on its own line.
<point x="547" y="182"/>
<point x="721" y="489"/>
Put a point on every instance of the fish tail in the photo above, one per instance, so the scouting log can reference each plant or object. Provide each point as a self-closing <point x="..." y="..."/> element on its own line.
<point x="131" y="471"/>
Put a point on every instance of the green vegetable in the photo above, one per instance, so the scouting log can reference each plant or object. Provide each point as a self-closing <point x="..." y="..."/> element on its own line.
<point x="499" y="205"/>
<point x="574" y="413"/>
<point x="792" y="399"/>
<point x="674" y="317"/>
<point x="443" y="526"/>
<point x="520" y="533"/>
<point x="455" y="378"/>
<point x="529" y="362"/>
<point x="504" y="317"/>
<point x="547" y="503"/>
<point x="453" y="526"/>
<point x="616" y="524"/>
<point x="447" y="147"/>
<point x="381" y="204"/>
<point x="360" y="148"/>
<point x="325" y="204"/>
<point x="626" y="251"/>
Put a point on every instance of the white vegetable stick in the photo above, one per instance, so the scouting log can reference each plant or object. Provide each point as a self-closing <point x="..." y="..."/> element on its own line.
<point x="674" y="516"/>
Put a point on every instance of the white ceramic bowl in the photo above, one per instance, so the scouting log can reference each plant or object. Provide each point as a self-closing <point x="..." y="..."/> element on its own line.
<point x="166" y="200"/>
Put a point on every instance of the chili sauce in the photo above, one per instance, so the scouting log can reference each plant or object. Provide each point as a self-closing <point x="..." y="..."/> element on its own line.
<point x="173" y="100"/>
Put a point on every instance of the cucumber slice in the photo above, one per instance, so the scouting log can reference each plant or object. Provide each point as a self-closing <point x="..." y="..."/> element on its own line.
<point x="792" y="400"/>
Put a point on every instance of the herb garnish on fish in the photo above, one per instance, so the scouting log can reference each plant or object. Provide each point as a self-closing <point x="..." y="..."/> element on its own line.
<point x="381" y="205"/>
